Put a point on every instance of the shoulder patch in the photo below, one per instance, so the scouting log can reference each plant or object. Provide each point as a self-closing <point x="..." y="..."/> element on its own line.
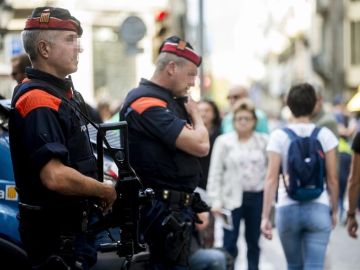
<point x="35" y="99"/>
<point x="142" y="104"/>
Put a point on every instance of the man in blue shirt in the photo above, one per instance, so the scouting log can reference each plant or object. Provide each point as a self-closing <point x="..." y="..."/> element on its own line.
<point x="166" y="137"/>
<point x="54" y="164"/>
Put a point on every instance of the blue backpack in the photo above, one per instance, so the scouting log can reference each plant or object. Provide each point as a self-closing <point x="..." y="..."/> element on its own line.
<point x="306" y="166"/>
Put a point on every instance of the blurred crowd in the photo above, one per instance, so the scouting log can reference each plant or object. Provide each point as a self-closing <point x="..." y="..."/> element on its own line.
<point x="237" y="168"/>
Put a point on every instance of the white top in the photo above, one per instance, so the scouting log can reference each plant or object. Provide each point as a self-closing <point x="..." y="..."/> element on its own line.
<point x="235" y="167"/>
<point x="279" y="142"/>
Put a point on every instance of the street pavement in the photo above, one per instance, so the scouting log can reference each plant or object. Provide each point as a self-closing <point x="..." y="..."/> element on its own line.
<point x="343" y="252"/>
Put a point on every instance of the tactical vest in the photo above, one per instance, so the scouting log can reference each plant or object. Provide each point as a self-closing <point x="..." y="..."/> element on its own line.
<point x="66" y="212"/>
<point x="157" y="165"/>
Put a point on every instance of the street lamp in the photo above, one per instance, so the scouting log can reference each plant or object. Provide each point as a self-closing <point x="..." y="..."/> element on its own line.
<point x="6" y="14"/>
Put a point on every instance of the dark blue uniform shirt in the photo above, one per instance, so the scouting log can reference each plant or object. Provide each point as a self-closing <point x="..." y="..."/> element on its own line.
<point x="155" y="119"/>
<point x="42" y="126"/>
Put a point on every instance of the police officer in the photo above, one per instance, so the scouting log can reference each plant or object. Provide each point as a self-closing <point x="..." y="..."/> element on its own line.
<point x="54" y="165"/>
<point x="166" y="137"/>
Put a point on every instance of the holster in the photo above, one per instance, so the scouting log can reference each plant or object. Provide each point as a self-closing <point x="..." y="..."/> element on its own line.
<point x="198" y="205"/>
<point x="177" y="238"/>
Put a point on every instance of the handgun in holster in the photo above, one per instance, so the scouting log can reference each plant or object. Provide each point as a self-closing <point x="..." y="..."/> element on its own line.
<point x="177" y="239"/>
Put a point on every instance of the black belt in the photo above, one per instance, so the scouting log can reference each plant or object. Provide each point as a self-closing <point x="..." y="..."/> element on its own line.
<point x="174" y="197"/>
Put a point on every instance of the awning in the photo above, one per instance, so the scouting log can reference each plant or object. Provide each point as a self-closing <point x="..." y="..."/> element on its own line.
<point x="354" y="103"/>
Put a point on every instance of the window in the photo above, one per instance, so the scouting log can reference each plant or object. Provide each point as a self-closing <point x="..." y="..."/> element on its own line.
<point x="355" y="42"/>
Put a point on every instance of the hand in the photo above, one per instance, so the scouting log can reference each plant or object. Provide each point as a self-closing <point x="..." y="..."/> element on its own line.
<point x="266" y="228"/>
<point x="109" y="196"/>
<point x="352" y="226"/>
<point x="191" y="107"/>
<point x="204" y="217"/>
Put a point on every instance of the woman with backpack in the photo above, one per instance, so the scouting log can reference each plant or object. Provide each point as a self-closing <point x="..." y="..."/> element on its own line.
<point x="302" y="172"/>
<point x="236" y="180"/>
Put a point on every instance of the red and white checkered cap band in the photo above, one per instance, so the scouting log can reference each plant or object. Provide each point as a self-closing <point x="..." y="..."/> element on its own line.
<point x="52" y="24"/>
<point x="186" y="53"/>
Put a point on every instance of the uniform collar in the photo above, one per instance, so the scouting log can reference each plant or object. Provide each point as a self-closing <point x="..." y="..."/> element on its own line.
<point x="43" y="76"/>
<point x="166" y="92"/>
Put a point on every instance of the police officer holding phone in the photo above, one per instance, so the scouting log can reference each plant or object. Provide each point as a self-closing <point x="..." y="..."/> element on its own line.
<point x="54" y="165"/>
<point x="166" y="137"/>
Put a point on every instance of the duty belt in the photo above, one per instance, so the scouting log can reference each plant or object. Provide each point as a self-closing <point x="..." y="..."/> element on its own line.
<point x="174" y="197"/>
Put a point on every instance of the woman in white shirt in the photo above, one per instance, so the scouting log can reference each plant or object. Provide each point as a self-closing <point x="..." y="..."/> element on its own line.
<point x="236" y="179"/>
<point x="304" y="227"/>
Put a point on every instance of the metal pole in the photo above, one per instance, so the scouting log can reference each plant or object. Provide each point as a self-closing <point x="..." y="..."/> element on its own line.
<point x="201" y="44"/>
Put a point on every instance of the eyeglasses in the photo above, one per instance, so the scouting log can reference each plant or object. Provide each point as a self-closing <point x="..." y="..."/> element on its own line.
<point x="233" y="97"/>
<point x="243" y="118"/>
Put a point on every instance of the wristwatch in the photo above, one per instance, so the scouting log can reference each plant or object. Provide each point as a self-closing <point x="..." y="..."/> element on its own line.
<point x="350" y="214"/>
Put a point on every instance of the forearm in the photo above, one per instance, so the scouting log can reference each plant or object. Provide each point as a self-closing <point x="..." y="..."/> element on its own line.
<point x="200" y="129"/>
<point x="194" y="140"/>
<point x="332" y="179"/>
<point x="353" y="194"/>
<point x="271" y="183"/>
<point x="67" y="181"/>
<point x="333" y="188"/>
<point x="269" y="196"/>
<point x="354" y="182"/>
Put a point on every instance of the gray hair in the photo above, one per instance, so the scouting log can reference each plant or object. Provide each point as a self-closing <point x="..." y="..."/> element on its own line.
<point x="31" y="38"/>
<point x="164" y="58"/>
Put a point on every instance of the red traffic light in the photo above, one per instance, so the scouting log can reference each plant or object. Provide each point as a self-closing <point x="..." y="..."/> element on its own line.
<point x="161" y="15"/>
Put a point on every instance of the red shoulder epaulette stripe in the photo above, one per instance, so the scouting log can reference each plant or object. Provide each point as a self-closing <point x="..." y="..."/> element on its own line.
<point x="142" y="104"/>
<point x="35" y="99"/>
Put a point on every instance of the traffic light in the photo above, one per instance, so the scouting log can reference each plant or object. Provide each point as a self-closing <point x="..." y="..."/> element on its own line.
<point x="162" y="27"/>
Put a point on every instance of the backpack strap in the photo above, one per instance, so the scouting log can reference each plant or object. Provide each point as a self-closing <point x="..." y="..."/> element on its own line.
<point x="292" y="135"/>
<point x="315" y="133"/>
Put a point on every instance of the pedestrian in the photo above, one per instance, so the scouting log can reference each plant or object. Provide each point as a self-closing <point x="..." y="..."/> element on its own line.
<point x="236" y="180"/>
<point x="346" y="127"/>
<point x="354" y="188"/>
<point x="166" y="138"/>
<point x="211" y="117"/>
<point x="54" y="165"/>
<point x="237" y="92"/>
<point x="212" y="120"/>
<point x="304" y="227"/>
<point x="18" y="65"/>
